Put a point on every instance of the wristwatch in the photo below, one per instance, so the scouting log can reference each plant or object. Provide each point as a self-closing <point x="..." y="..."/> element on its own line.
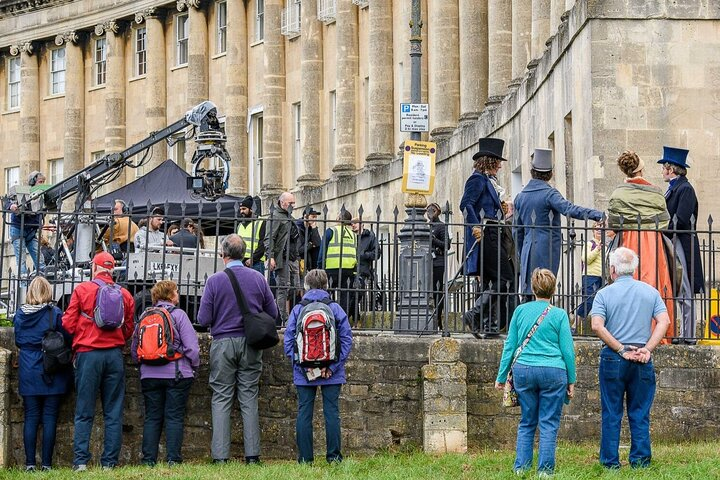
<point x="621" y="351"/>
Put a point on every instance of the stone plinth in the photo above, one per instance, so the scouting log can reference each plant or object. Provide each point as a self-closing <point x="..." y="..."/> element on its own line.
<point x="445" y="426"/>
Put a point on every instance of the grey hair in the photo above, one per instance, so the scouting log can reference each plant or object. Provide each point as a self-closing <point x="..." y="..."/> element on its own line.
<point x="233" y="247"/>
<point x="624" y="260"/>
<point x="316" y="279"/>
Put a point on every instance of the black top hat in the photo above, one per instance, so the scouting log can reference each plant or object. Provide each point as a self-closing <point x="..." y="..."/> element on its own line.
<point x="490" y="147"/>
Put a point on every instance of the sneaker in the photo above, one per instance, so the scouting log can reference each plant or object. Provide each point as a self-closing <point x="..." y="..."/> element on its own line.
<point x="29" y="468"/>
<point x="252" y="461"/>
<point x="220" y="460"/>
<point x="80" y="468"/>
<point x="108" y="467"/>
<point x="46" y="468"/>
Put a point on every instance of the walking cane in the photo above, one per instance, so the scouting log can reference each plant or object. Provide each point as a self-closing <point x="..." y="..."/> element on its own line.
<point x="450" y="285"/>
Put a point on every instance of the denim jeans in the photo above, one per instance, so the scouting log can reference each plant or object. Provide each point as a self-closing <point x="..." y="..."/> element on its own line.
<point x="27" y="241"/>
<point x="259" y="267"/>
<point x="541" y="392"/>
<point x="624" y="381"/>
<point x="165" y="401"/>
<point x="99" y="371"/>
<point x="40" y="410"/>
<point x="304" y="425"/>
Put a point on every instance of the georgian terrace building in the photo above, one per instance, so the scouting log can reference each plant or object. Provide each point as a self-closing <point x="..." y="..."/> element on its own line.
<point x="310" y="90"/>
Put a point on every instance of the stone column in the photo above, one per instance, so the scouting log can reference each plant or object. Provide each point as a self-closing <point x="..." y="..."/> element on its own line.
<point x="74" y="118"/>
<point x="444" y="399"/>
<point x="197" y="51"/>
<point x="311" y="80"/>
<point x="273" y="98"/>
<point x="473" y="58"/>
<point x="29" y="109"/>
<point x="347" y="70"/>
<point x="380" y="59"/>
<point x="499" y="48"/>
<point x="236" y="96"/>
<point x="557" y="8"/>
<point x="155" y="80"/>
<point x="444" y="66"/>
<point x="114" y="91"/>
<point x="521" y="37"/>
<point x="540" y="26"/>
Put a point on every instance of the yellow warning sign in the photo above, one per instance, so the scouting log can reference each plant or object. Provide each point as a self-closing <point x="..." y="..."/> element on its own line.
<point x="711" y="334"/>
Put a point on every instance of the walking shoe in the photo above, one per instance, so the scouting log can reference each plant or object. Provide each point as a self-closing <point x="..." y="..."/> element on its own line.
<point x="108" y="467"/>
<point x="252" y="461"/>
<point x="220" y="460"/>
<point x="46" y="468"/>
<point x="80" y="468"/>
<point x="29" y="468"/>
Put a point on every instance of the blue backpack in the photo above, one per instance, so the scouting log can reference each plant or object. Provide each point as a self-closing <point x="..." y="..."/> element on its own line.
<point x="109" y="312"/>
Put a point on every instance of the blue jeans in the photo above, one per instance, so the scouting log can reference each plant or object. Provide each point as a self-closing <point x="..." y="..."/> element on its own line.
<point x="259" y="267"/>
<point x="541" y="392"/>
<point x="28" y="238"/>
<point x="165" y="401"/>
<point x="590" y="286"/>
<point x="99" y="371"/>
<point x="624" y="381"/>
<point x="304" y="425"/>
<point x="40" y="410"/>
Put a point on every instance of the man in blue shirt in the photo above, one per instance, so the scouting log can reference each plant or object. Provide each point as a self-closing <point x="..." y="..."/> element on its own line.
<point x="622" y="316"/>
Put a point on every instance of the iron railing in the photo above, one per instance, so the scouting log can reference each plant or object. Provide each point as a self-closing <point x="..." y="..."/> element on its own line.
<point x="374" y="302"/>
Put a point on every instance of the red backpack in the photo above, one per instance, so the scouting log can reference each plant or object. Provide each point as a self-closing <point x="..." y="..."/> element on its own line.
<point x="316" y="340"/>
<point x="156" y="334"/>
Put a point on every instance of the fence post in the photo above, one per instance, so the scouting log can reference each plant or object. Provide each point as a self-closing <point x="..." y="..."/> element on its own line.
<point x="444" y="399"/>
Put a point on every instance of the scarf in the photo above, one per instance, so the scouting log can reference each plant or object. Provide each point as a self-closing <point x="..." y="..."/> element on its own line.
<point x="498" y="188"/>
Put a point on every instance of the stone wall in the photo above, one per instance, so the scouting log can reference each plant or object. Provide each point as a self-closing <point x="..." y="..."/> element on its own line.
<point x="382" y="404"/>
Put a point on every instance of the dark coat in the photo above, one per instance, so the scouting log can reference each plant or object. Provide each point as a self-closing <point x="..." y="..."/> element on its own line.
<point x="440" y="243"/>
<point x="682" y="204"/>
<point x="539" y="247"/>
<point x="29" y="331"/>
<point x="281" y="237"/>
<point x="184" y="238"/>
<point x="479" y="200"/>
<point x="309" y="244"/>
<point x="368" y="252"/>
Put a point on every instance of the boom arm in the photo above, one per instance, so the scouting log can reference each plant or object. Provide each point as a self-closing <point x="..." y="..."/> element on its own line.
<point x="203" y="115"/>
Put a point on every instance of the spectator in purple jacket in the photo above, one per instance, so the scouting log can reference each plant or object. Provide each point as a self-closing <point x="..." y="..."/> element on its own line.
<point x="235" y="366"/>
<point x="330" y="380"/>
<point x="166" y="387"/>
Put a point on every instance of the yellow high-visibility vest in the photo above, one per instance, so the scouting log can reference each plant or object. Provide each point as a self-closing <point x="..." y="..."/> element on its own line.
<point x="250" y="233"/>
<point x="341" y="251"/>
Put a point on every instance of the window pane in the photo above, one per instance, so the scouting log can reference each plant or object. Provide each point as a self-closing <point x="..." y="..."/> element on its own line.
<point x="222" y="27"/>
<point x="260" y="20"/>
<point x="140" y="54"/>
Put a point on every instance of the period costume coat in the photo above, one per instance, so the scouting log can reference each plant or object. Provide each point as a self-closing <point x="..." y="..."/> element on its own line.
<point x="682" y="204"/>
<point x="538" y="238"/>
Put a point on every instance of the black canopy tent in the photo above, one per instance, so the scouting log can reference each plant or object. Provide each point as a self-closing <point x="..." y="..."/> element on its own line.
<point x="166" y="186"/>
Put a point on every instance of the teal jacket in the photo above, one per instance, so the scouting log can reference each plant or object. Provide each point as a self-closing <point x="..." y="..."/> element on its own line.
<point x="550" y="346"/>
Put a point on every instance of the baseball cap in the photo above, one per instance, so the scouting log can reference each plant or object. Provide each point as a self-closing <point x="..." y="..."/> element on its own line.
<point x="105" y="260"/>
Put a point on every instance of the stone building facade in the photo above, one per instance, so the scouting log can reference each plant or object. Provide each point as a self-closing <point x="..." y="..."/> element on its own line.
<point x="310" y="90"/>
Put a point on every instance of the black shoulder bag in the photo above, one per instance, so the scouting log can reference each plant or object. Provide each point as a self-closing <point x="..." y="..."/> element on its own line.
<point x="260" y="330"/>
<point x="57" y="354"/>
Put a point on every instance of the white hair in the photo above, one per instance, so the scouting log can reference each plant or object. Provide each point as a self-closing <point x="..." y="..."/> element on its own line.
<point x="624" y="260"/>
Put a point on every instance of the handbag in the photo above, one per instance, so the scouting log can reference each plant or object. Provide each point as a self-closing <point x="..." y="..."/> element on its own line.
<point x="260" y="331"/>
<point x="510" y="397"/>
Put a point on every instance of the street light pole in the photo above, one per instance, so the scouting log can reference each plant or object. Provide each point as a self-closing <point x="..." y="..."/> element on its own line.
<point x="416" y="25"/>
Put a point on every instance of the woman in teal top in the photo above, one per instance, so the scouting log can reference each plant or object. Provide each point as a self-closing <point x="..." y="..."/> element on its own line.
<point x="544" y="373"/>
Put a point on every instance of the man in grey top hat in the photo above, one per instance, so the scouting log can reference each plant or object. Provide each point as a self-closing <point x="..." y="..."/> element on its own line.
<point x="537" y="220"/>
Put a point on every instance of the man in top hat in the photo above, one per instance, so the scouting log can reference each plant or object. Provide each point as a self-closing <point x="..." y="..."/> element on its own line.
<point x="252" y="231"/>
<point x="682" y="205"/>
<point x="537" y="220"/>
<point x="488" y="243"/>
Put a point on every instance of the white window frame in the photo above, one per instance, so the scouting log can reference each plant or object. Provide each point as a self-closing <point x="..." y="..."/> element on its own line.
<point x="56" y="170"/>
<point x="326" y="11"/>
<point x="140" y="51"/>
<point x="181" y="42"/>
<point x="255" y="157"/>
<point x="221" y="15"/>
<point x="297" y="137"/>
<point x="57" y="71"/>
<point x="332" y="124"/>
<point x="291" y="19"/>
<point x="12" y="178"/>
<point x="259" y="20"/>
<point x="13" y="76"/>
<point x="100" y="61"/>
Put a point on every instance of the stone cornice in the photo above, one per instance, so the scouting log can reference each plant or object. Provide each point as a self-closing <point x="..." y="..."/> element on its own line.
<point x="18" y="7"/>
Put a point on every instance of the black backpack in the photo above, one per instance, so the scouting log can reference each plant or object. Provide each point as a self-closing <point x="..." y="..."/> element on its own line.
<point x="57" y="354"/>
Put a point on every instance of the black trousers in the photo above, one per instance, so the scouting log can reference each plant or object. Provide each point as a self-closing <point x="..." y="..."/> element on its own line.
<point x="342" y="286"/>
<point x="438" y="286"/>
<point x="497" y="278"/>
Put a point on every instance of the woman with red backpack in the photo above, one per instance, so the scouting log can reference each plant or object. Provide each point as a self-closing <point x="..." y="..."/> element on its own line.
<point x="166" y="346"/>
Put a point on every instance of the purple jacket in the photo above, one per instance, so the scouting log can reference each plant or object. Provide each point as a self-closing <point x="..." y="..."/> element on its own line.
<point x="186" y="341"/>
<point x="344" y="332"/>
<point x="219" y="308"/>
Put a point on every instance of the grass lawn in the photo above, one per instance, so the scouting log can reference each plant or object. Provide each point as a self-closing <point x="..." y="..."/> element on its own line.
<point x="697" y="460"/>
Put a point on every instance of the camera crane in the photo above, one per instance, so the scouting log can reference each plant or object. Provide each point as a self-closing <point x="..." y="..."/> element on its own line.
<point x="209" y="183"/>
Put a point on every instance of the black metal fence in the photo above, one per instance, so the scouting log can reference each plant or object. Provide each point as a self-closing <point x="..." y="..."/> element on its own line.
<point x="398" y="293"/>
